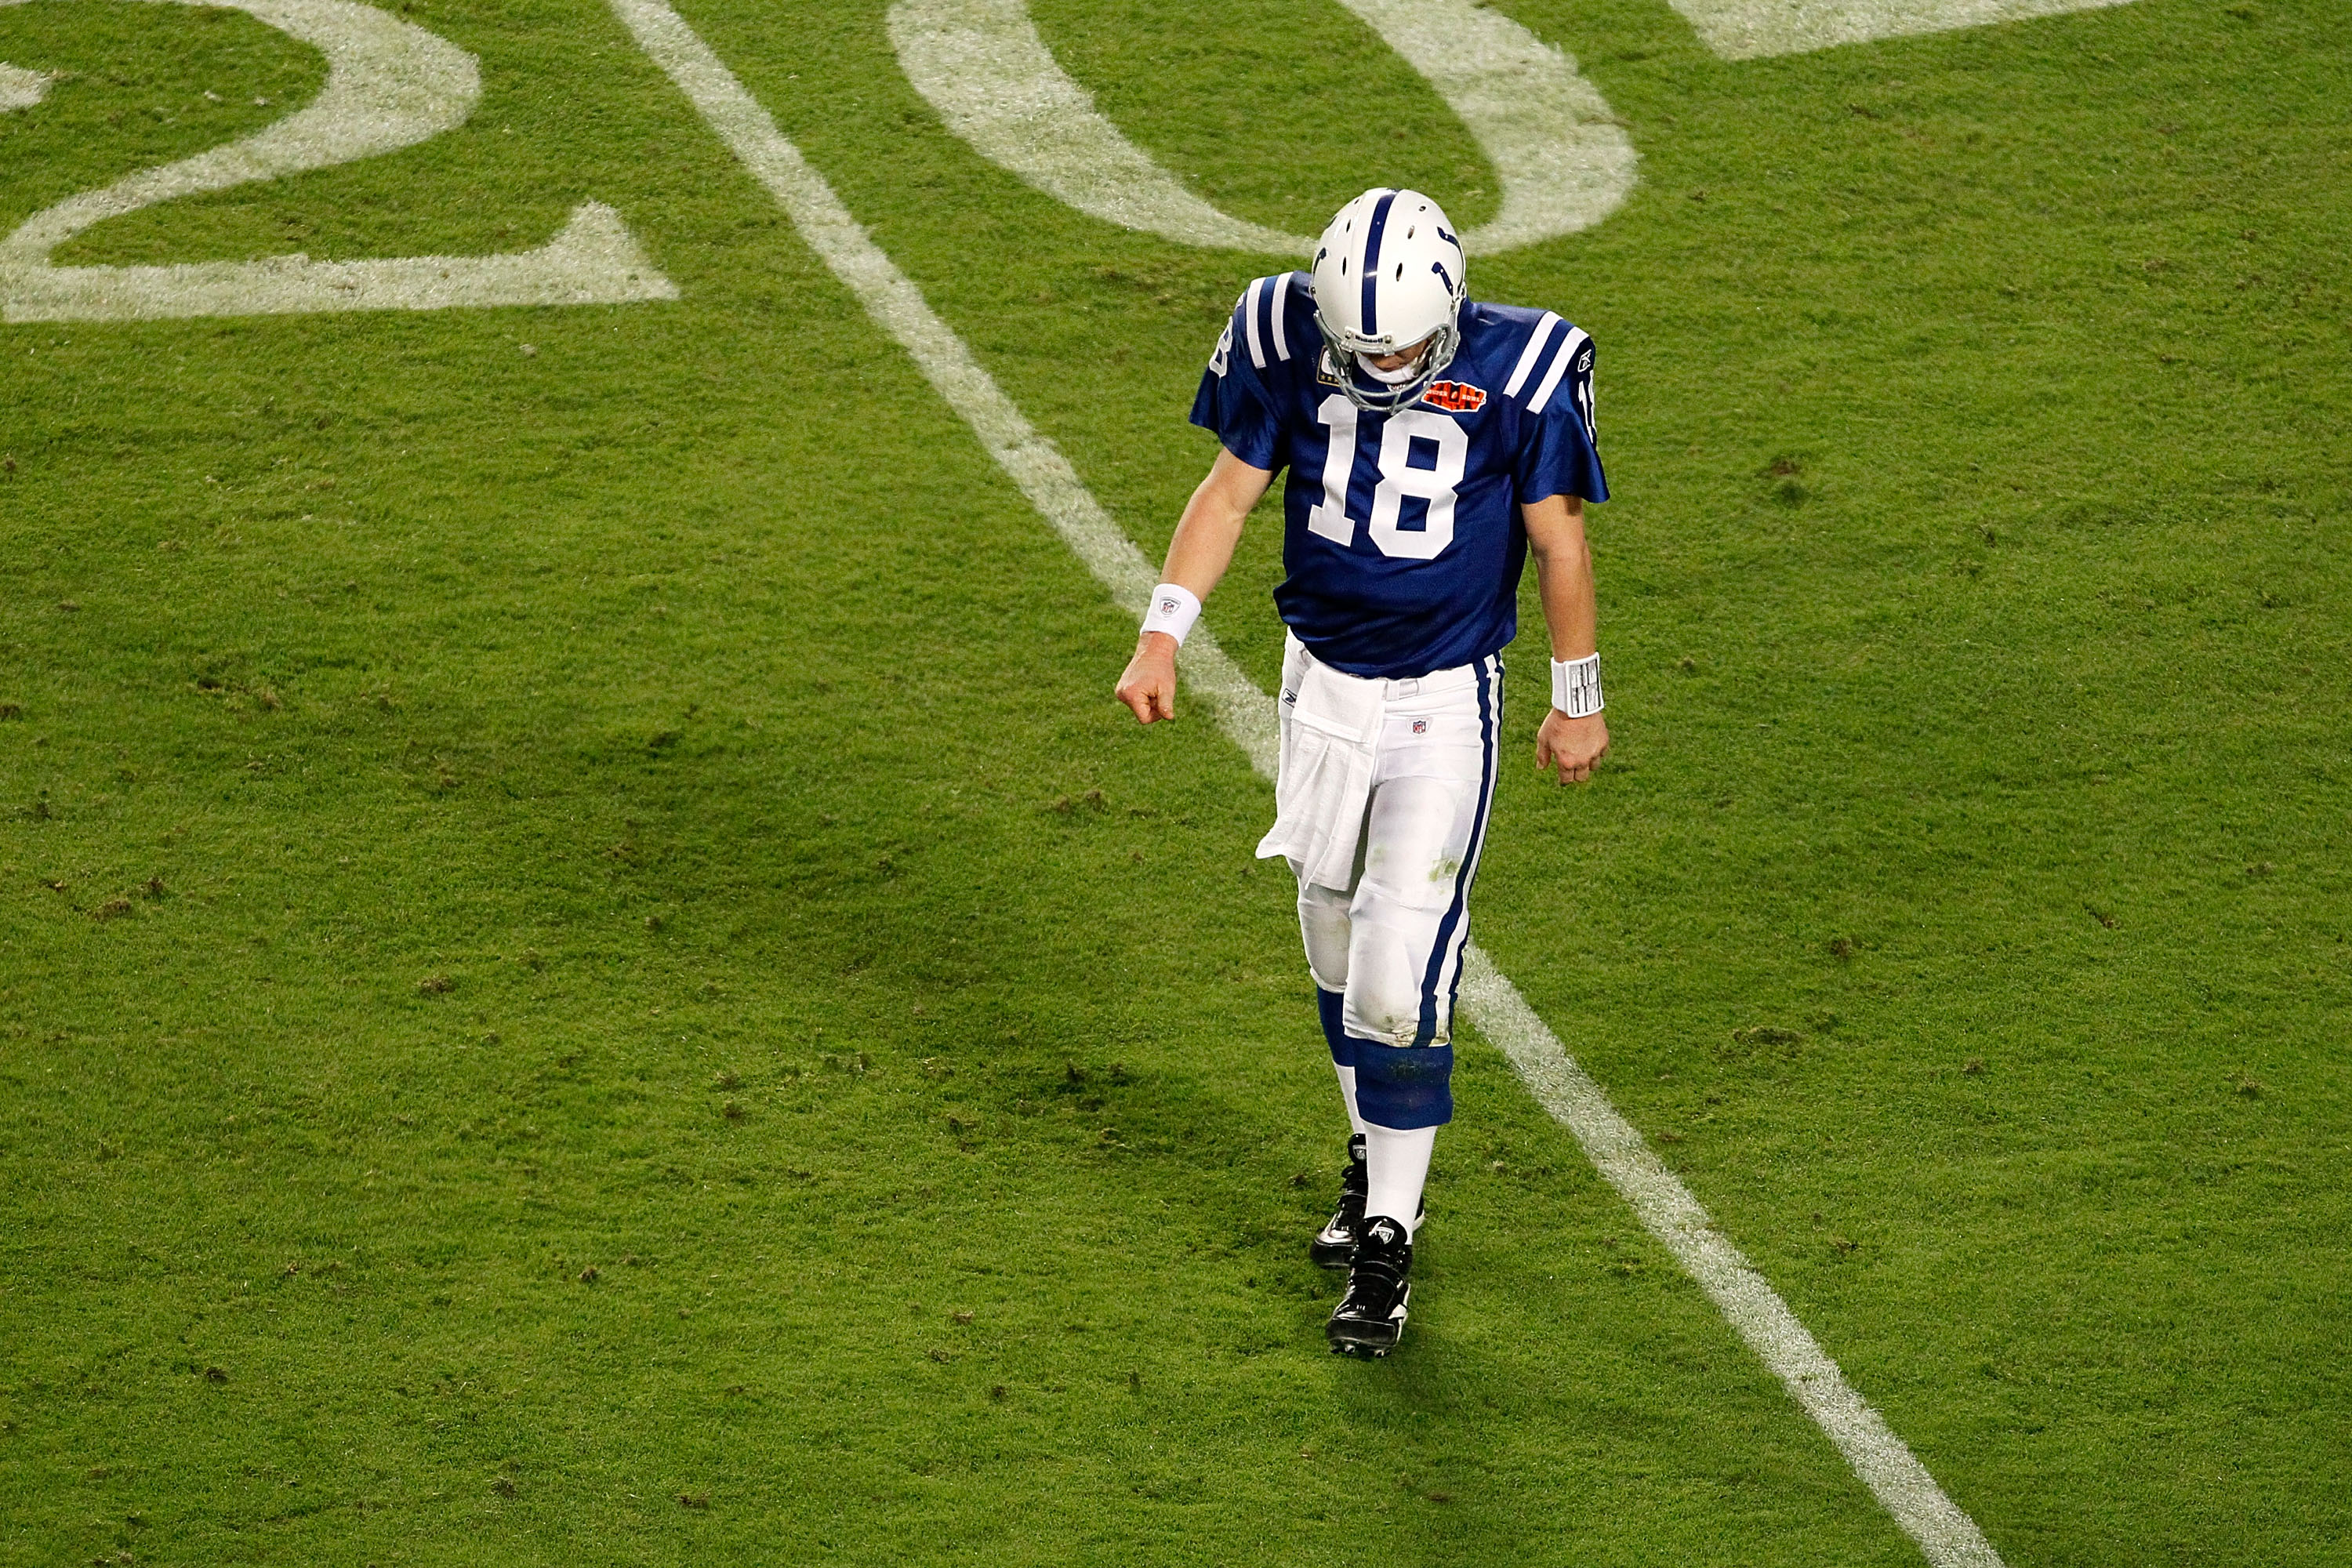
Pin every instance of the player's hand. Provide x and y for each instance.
(1571, 746)
(1148, 687)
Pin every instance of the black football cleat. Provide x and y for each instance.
(1336, 1242)
(1369, 1320)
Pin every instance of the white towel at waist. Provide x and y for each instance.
(1329, 739)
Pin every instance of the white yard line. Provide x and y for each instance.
(1950, 1538)
(1665, 1207)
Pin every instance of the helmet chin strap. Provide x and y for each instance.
(1396, 377)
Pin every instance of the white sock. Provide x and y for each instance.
(1397, 1164)
(1348, 1092)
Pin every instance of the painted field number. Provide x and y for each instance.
(1562, 160)
(390, 85)
(1752, 29)
(1560, 156)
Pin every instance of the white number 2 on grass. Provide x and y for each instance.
(390, 85)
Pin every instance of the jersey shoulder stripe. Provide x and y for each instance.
(1264, 316)
(1572, 349)
(1276, 309)
(1528, 355)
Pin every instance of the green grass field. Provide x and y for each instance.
(589, 972)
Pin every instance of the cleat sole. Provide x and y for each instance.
(1357, 1337)
(1370, 1348)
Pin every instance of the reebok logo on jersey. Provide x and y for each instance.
(1455, 396)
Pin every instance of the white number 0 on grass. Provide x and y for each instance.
(389, 84)
(1561, 158)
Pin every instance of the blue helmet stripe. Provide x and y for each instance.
(1373, 262)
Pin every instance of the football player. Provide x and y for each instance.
(1432, 444)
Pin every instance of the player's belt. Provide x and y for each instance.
(1409, 688)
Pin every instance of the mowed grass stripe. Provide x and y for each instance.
(1894, 1475)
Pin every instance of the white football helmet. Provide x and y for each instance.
(1388, 273)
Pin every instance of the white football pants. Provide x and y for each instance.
(1391, 943)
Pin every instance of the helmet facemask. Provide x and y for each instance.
(1370, 393)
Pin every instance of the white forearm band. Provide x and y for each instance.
(1576, 686)
(1173, 611)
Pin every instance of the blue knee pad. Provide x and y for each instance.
(1404, 1086)
(1331, 1005)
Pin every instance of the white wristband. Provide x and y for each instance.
(1576, 686)
(1173, 611)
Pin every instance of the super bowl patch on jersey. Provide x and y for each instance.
(1455, 396)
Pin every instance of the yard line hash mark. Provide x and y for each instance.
(1945, 1535)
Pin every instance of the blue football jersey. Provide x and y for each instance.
(1402, 539)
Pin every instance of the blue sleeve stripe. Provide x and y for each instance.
(1528, 355)
(1249, 317)
(1568, 352)
(1281, 304)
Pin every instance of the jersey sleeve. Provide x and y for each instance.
(1559, 451)
(1234, 401)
